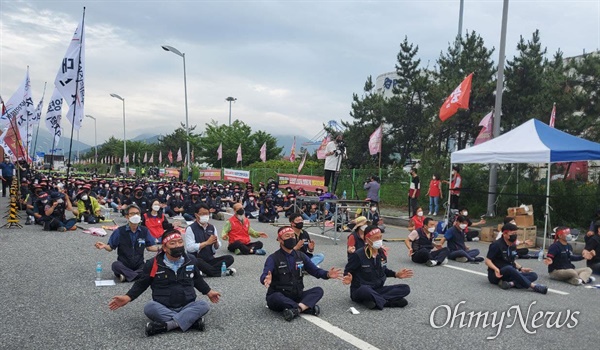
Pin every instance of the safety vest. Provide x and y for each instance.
(239, 231)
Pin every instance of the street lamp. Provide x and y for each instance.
(124, 137)
(230, 99)
(95, 138)
(187, 126)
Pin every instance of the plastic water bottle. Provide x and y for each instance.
(344, 195)
(223, 269)
(98, 271)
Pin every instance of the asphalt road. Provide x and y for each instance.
(50, 301)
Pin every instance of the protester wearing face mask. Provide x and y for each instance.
(559, 260)
(455, 236)
(418, 218)
(130, 241)
(503, 270)
(591, 252)
(283, 276)
(191, 206)
(156, 221)
(472, 235)
(173, 276)
(356, 240)
(251, 207)
(202, 241)
(175, 204)
(304, 243)
(373, 216)
(367, 271)
(268, 212)
(421, 247)
(215, 206)
(237, 231)
(414, 192)
(522, 253)
(55, 213)
(435, 194)
(88, 208)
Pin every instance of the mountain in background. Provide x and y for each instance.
(45, 139)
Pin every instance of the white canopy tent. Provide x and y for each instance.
(531, 142)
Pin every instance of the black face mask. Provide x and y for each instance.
(240, 211)
(299, 225)
(289, 243)
(512, 238)
(177, 252)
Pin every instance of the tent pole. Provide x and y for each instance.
(547, 213)
(449, 187)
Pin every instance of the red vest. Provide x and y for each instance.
(453, 188)
(239, 231)
(154, 224)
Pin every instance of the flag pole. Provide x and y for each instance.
(76, 92)
(39, 121)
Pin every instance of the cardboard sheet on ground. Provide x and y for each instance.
(105, 283)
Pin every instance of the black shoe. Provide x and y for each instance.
(154, 327)
(315, 311)
(479, 259)
(199, 324)
(370, 304)
(28, 221)
(290, 314)
(538, 288)
(400, 302)
(504, 284)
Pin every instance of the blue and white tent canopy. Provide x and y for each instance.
(531, 142)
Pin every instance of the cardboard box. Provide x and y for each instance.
(487, 234)
(514, 211)
(524, 220)
(527, 233)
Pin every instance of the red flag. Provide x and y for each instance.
(170, 156)
(486, 133)
(263, 152)
(220, 151)
(375, 141)
(179, 157)
(553, 115)
(459, 98)
(302, 162)
(239, 154)
(293, 151)
(12, 138)
(321, 151)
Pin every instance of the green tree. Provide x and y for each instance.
(585, 75)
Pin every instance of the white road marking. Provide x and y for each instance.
(338, 332)
(485, 274)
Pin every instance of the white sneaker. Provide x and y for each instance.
(475, 239)
(591, 279)
(429, 213)
(231, 271)
(579, 281)
(445, 261)
(434, 214)
(431, 263)
(462, 259)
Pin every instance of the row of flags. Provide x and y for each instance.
(116, 160)
(20, 114)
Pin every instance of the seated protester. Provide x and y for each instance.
(421, 247)
(130, 241)
(559, 257)
(268, 212)
(289, 206)
(305, 244)
(343, 221)
(201, 241)
(522, 253)
(251, 207)
(175, 204)
(88, 208)
(318, 192)
(373, 216)
(356, 239)
(591, 252)
(140, 199)
(172, 275)
(367, 271)
(272, 189)
(502, 268)
(125, 200)
(472, 235)
(161, 196)
(283, 276)
(215, 206)
(418, 218)
(156, 222)
(38, 204)
(191, 206)
(278, 200)
(301, 192)
(55, 213)
(455, 236)
(30, 205)
(237, 231)
(594, 224)
(111, 198)
(313, 215)
(289, 190)
(24, 195)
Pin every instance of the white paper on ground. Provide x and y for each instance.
(354, 311)
(104, 283)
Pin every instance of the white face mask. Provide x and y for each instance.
(156, 207)
(378, 244)
(419, 213)
(373, 209)
(431, 229)
(161, 192)
(204, 219)
(84, 197)
(465, 213)
(363, 227)
(462, 226)
(60, 201)
(136, 219)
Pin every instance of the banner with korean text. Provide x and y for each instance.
(307, 182)
(236, 175)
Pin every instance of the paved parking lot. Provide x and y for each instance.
(50, 301)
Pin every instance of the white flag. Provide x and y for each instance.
(20, 106)
(69, 79)
(54, 116)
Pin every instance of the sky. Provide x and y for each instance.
(292, 65)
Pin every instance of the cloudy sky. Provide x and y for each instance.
(292, 65)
